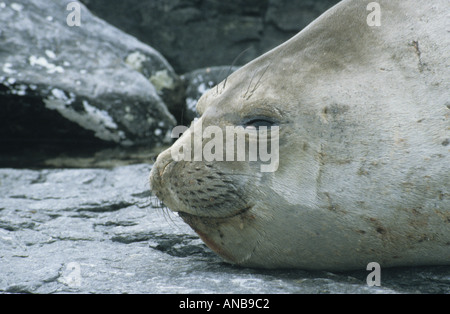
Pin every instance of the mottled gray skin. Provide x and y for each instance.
(364, 171)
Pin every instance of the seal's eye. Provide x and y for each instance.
(257, 123)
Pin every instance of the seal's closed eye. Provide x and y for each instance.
(256, 123)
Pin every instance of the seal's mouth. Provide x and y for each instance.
(215, 232)
(188, 216)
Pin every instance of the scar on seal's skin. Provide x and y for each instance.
(415, 44)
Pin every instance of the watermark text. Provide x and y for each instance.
(74, 17)
(374, 17)
(211, 144)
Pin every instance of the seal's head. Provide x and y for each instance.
(248, 214)
(357, 178)
(228, 199)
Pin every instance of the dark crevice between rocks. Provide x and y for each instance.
(71, 239)
(53, 216)
(105, 208)
(24, 197)
(116, 224)
(174, 245)
(30, 154)
(179, 245)
(42, 178)
(21, 196)
(52, 279)
(145, 194)
(9, 227)
(30, 133)
(132, 238)
(45, 155)
(18, 289)
(177, 248)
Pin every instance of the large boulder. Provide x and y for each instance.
(90, 82)
(195, 34)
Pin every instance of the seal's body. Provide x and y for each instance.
(364, 156)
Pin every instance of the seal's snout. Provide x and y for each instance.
(195, 188)
(157, 174)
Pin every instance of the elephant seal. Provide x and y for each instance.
(364, 165)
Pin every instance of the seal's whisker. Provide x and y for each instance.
(232, 65)
(168, 218)
(259, 80)
(166, 212)
(248, 88)
(257, 83)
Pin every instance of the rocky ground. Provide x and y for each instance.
(99, 230)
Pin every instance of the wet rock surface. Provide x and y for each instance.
(101, 231)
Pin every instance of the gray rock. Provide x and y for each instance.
(292, 16)
(200, 81)
(90, 82)
(195, 34)
(101, 231)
